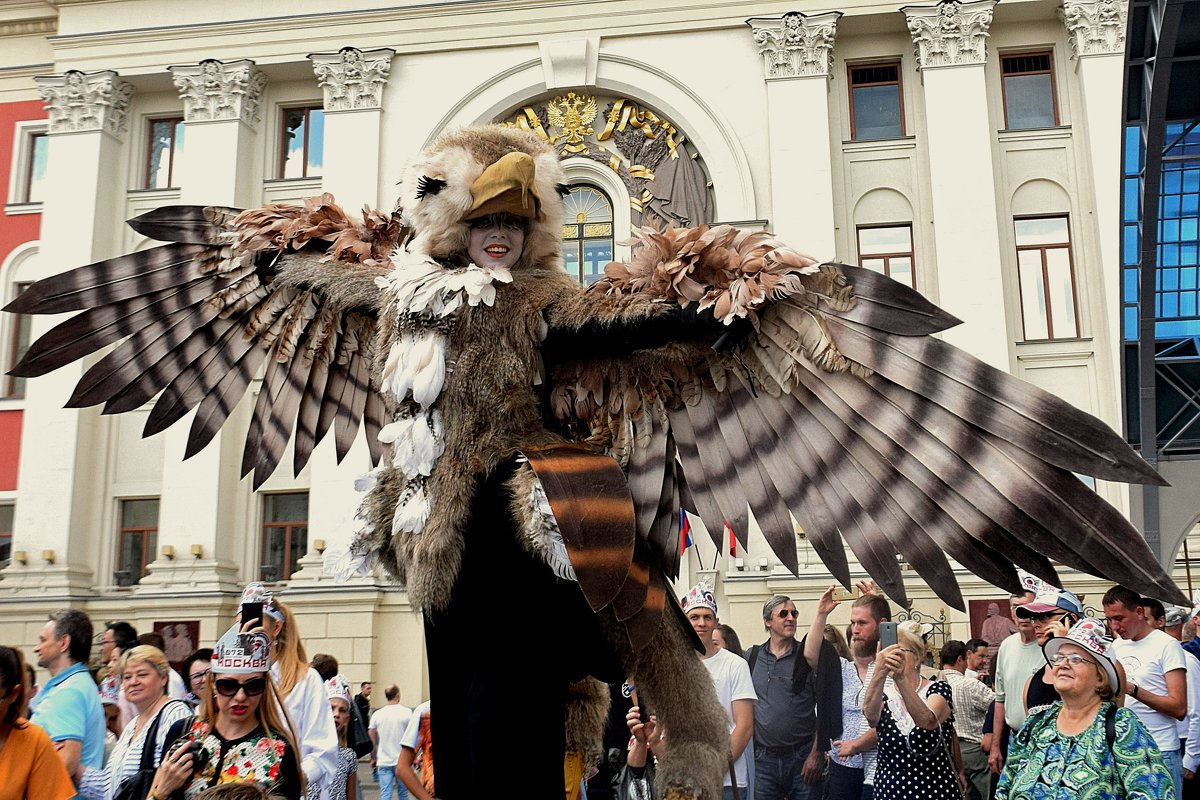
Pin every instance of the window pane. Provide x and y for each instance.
(1046, 230)
(299, 548)
(158, 174)
(38, 149)
(586, 204)
(596, 256)
(137, 550)
(139, 513)
(876, 264)
(274, 541)
(293, 143)
(285, 507)
(900, 268)
(316, 142)
(571, 258)
(877, 112)
(1033, 296)
(6, 533)
(1062, 293)
(873, 241)
(1029, 100)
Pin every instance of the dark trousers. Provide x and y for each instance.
(845, 783)
(488, 691)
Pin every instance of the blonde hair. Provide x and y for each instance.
(146, 654)
(269, 713)
(908, 633)
(288, 651)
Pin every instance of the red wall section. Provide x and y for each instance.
(10, 449)
(15, 230)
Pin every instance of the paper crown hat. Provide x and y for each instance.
(240, 653)
(1089, 634)
(1033, 584)
(110, 691)
(700, 596)
(338, 688)
(258, 593)
(506, 186)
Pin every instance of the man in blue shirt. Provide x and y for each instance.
(68, 706)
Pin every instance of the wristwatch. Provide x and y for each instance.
(1134, 693)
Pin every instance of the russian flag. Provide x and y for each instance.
(732, 539)
(685, 532)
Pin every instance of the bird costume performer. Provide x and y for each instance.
(535, 439)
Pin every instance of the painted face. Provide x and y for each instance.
(864, 632)
(142, 683)
(341, 713)
(703, 622)
(496, 240)
(783, 620)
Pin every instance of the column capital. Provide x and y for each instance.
(86, 101)
(353, 79)
(950, 33)
(220, 90)
(1094, 27)
(796, 45)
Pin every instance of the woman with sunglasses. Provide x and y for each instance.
(1082, 745)
(238, 734)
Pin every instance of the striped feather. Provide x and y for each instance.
(719, 469)
(199, 224)
(704, 502)
(888, 305)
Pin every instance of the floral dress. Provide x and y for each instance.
(914, 763)
(1044, 764)
(254, 758)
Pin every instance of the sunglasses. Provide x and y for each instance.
(784, 614)
(228, 687)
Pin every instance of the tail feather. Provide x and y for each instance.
(194, 224)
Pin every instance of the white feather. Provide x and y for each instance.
(544, 533)
(411, 513)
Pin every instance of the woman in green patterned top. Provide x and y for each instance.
(1065, 751)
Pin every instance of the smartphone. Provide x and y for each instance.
(887, 634)
(252, 611)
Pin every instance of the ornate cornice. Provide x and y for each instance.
(1094, 27)
(78, 101)
(951, 33)
(220, 90)
(353, 79)
(796, 45)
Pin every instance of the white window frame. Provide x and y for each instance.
(22, 153)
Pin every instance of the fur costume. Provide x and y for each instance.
(530, 430)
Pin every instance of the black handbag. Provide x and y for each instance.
(357, 737)
(137, 787)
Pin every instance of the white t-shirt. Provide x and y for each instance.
(731, 678)
(1016, 661)
(1189, 726)
(412, 734)
(1146, 662)
(389, 724)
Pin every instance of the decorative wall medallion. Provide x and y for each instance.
(1094, 27)
(79, 101)
(666, 184)
(217, 90)
(950, 33)
(796, 45)
(353, 79)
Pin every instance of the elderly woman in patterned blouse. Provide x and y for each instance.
(1083, 745)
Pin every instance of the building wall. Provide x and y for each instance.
(778, 150)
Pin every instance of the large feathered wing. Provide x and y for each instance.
(285, 291)
(826, 397)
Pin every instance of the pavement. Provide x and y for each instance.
(370, 789)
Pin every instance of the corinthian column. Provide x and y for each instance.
(951, 48)
(797, 51)
(60, 503)
(200, 497)
(352, 81)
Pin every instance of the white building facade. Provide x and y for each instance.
(972, 149)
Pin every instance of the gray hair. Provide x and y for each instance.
(774, 603)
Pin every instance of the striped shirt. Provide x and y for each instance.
(126, 758)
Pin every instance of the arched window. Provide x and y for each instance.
(587, 233)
